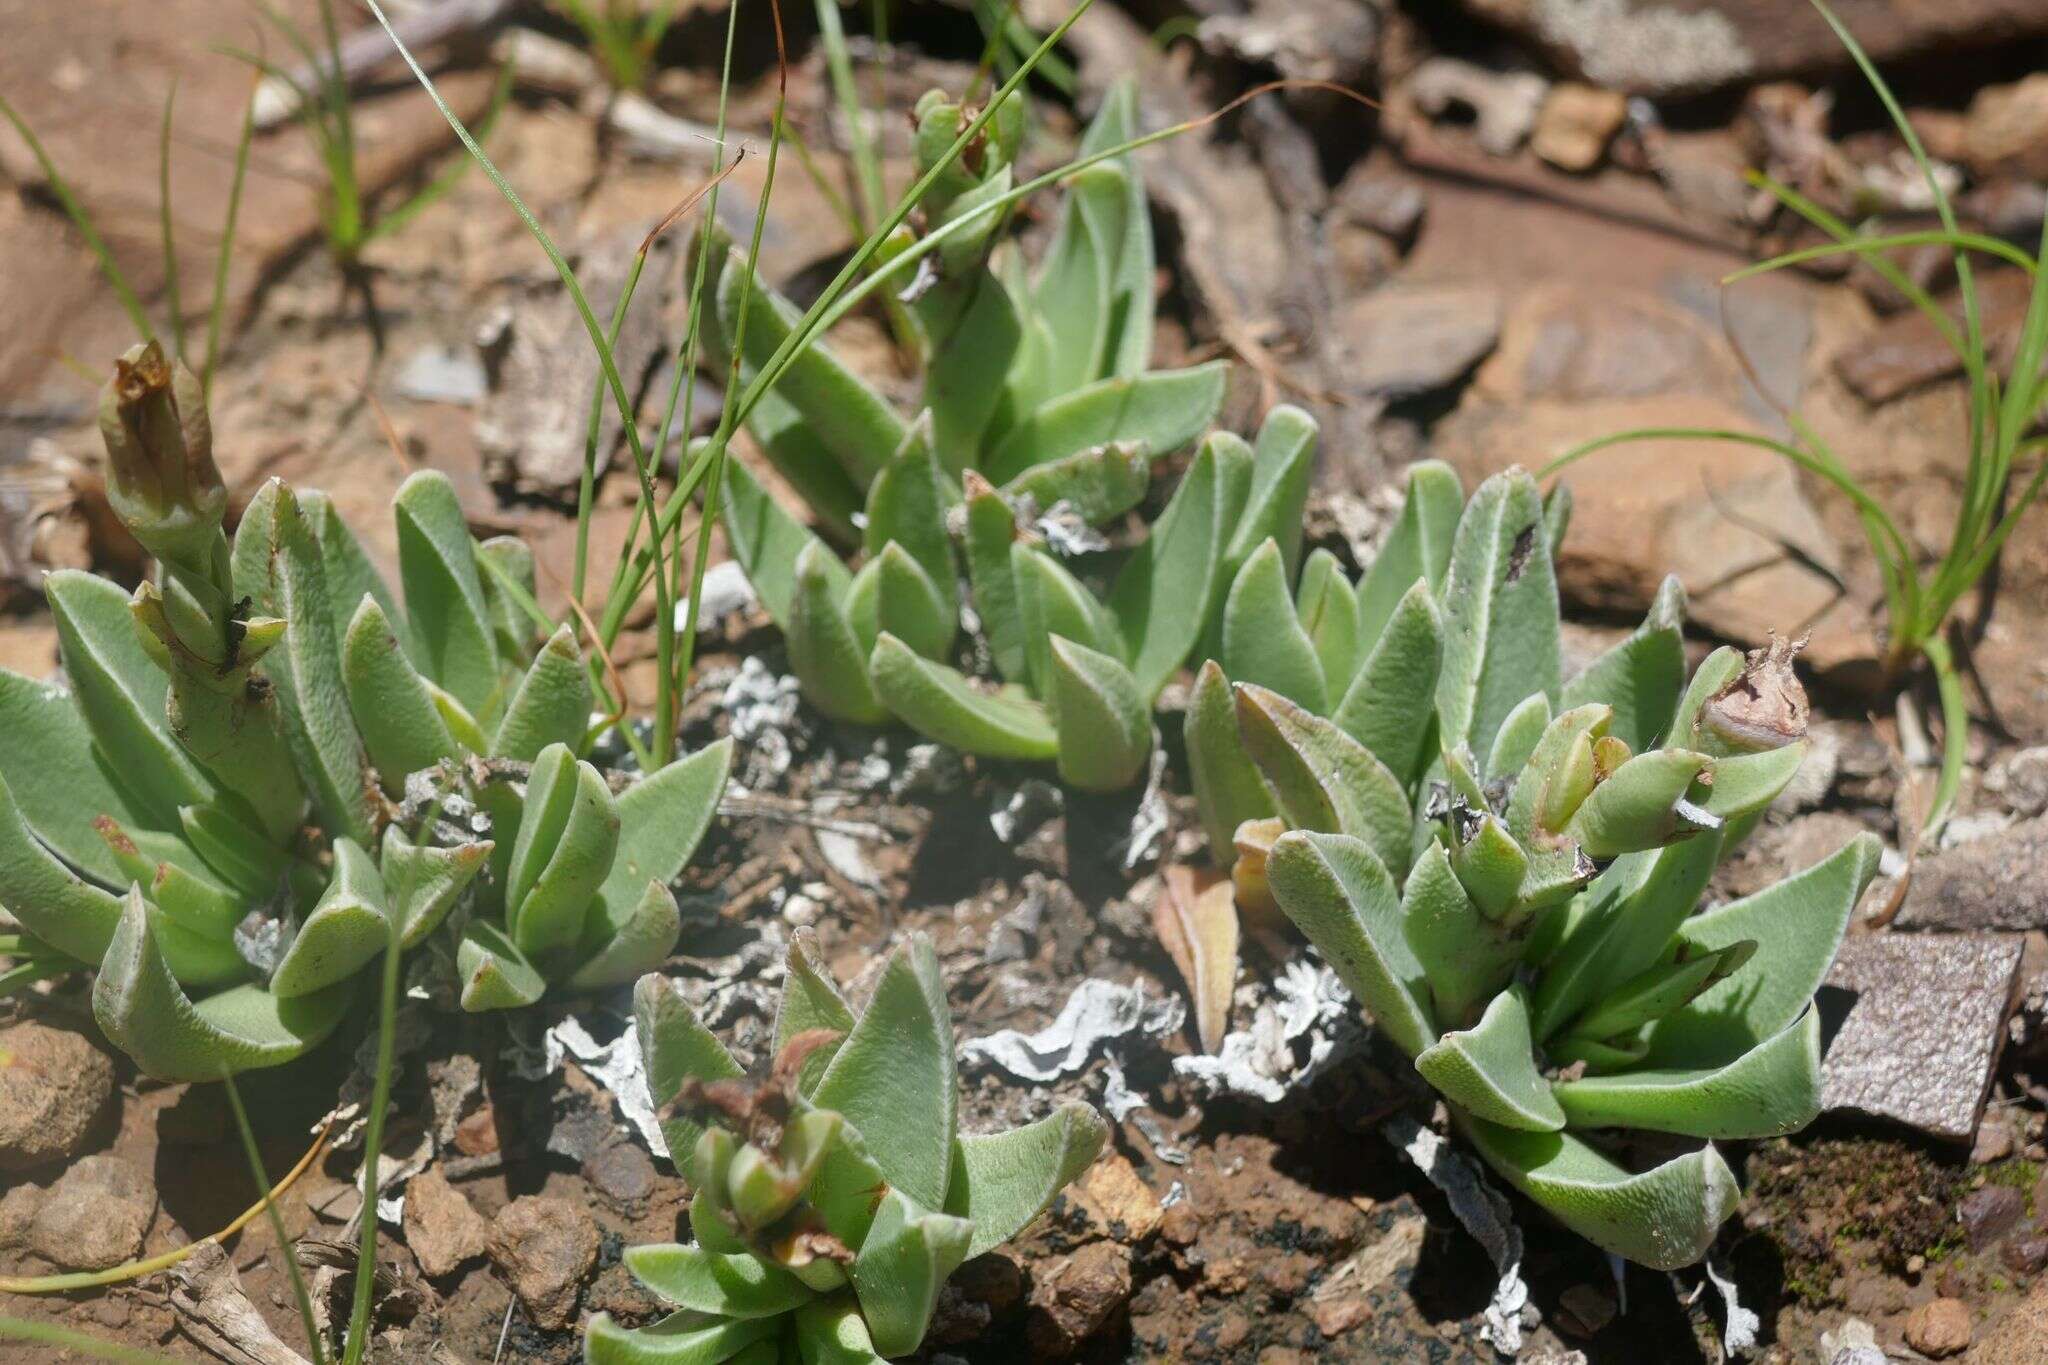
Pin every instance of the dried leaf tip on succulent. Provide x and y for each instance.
(1506, 866)
(276, 769)
(1038, 399)
(835, 1196)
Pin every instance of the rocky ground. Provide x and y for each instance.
(1521, 248)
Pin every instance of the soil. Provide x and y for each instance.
(1253, 1232)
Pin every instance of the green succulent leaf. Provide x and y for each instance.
(444, 596)
(1642, 805)
(495, 975)
(1493, 868)
(1489, 1070)
(1283, 458)
(1519, 734)
(551, 704)
(831, 667)
(662, 818)
(1104, 723)
(768, 544)
(892, 593)
(908, 504)
(1227, 785)
(1264, 644)
(831, 1331)
(975, 335)
(1664, 1218)
(1324, 780)
(1770, 1090)
(1640, 677)
(1390, 706)
(683, 1338)
(1165, 593)
(47, 733)
(1074, 292)
(423, 882)
(239, 855)
(811, 1003)
(1465, 957)
(1163, 409)
(1417, 549)
(1052, 602)
(623, 950)
(991, 532)
(348, 927)
(897, 1274)
(727, 1286)
(1328, 610)
(350, 575)
(1339, 894)
(394, 709)
(50, 900)
(1500, 623)
(567, 837)
(1101, 483)
(1128, 349)
(121, 693)
(677, 1047)
(893, 1077)
(142, 1010)
(506, 568)
(939, 703)
(1002, 1181)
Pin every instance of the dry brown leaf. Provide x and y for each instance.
(1195, 916)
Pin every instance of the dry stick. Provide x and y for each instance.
(58, 1284)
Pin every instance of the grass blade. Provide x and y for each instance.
(80, 219)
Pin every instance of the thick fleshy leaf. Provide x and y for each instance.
(893, 1077)
(811, 1004)
(1339, 894)
(1489, 1070)
(1128, 349)
(1073, 295)
(640, 944)
(908, 504)
(48, 899)
(853, 421)
(684, 1338)
(1328, 610)
(726, 1286)
(1494, 870)
(1642, 805)
(1104, 723)
(991, 531)
(348, 927)
(1051, 601)
(1641, 676)
(1325, 780)
(1797, 926)
(1283, 458)
(1228, 789)
(236, 853)
(350, 575)
(494, 975)
(444, 597)
(893, 593)
(1390, 706)
(1514, 744)
(1165, 593)
(1768, 1091)
(1746, 784)
(831, 1332)
(47, 733)
(767, 541)
(394, 710)
(1417, 549)
(662, 818)
(1465, 956)
(1664, 1218)
(143, 1012)
(975, 335)
(831, 667)
(423, 882)
(1163, 409)
(563, 853)
(939, 703)
(1001, 1181)
(499, 561)
(900, 1268)
(1263, 642)
(121, 693)
(1100, 483)
(676, 1047)
(1195, 917)
(279, 568)
(1500, 612)
(551, 704)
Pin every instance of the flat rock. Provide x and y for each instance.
(1576, 124)
(1404, 340)
(55, 1087)
(1939, 1328)
(545, 1247)
(95, 1216)
(1670, 47)
(18, 1209)
(1925, 1018)
(1997, 882)
(2006, 130)
(442, 1229)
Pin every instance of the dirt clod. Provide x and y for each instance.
(1939, 1328)
(1073, 1300)
(95, 1216)
(544, 1246)
(55, 1086)
(441, 1227)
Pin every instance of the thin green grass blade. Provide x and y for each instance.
(217, 311)
(284, 1243)
(80, 219)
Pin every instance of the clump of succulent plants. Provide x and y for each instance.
(1506, 866)
(834, 1195)
(272, 772)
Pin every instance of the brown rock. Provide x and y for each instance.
(1405, 340)
(1989, 1213)
(1939, 1327)
(55, 1086)
(621, 1171)
(441, 1227)
(1576, 124)
(18, 1214)
(2006, 130)
(545, 1247)
(1181, 1225)
(1588, 1308)
(1125, 1202)
(2025, 1253)
(95, 1216)
(1997, 882)
(1074, 1299)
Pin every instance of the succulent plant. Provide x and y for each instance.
(272, 771)
(1526, 925)
(834, 1196)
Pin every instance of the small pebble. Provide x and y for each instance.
(1939, 1328)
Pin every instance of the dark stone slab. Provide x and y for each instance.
(1997, 882)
